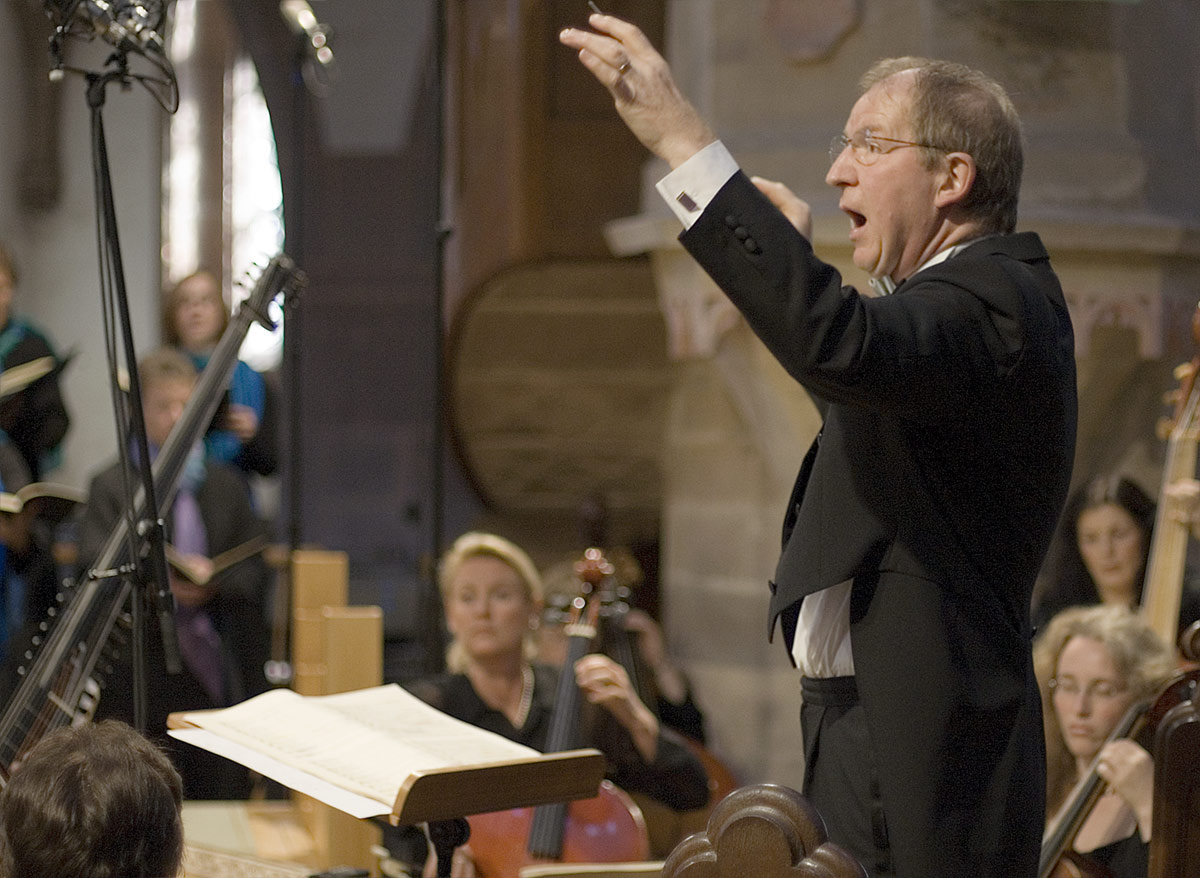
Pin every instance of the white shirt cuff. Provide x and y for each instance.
(689, 188)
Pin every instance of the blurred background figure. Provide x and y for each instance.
(1093, 664)
(28, 573)
(1101, 550)
(33, 416)
(243, 432)
(220, 620)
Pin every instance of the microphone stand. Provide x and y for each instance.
(147, 569)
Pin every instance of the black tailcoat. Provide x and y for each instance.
(935, 484)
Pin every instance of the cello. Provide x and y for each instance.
(1160, 605)
(665, 825)
(606, 828)
(1057, 859)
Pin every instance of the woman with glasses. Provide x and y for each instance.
(1093, 664)
(243, 433)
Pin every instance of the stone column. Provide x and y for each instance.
(736, 429)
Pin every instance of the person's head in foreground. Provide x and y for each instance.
(97, 801)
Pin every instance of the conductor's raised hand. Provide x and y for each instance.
(622, 59)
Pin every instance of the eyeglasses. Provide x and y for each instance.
(868, 146)
(1104, 690)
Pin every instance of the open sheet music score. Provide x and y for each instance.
(383, 751)
(19, 377)
(218, 564)
(50, 499)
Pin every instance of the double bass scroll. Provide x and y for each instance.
(1162, 590)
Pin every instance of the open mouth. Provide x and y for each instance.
(857, 220)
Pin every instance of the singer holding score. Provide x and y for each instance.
(923, 511)
(219, 616)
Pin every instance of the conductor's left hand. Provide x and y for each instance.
(622, 59)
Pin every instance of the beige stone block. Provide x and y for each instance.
(723, 628)
(719, 473)
(319, 578)
(696, 395)
(308, 644)
(717, 538)
(353, 639)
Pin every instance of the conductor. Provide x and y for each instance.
(923, 510)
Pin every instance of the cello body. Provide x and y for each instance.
(607, 828)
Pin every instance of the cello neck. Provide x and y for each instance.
(547, 830)
(1163, 587)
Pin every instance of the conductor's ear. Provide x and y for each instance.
(956, 179)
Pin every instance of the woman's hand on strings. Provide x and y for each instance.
(604, 682)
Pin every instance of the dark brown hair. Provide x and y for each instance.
(97, 801)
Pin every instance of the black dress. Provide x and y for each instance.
(1127, 858)
(676, 777)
